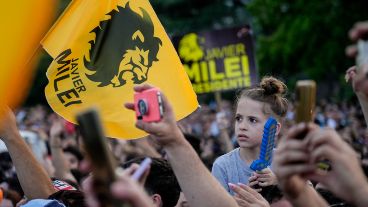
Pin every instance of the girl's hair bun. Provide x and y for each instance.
(273, 86)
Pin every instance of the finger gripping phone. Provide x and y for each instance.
(148, 105)
(101, 158)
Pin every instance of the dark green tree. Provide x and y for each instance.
(183, 16)
(305, 38)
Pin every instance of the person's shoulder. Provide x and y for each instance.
(226, 157)
(43, 202)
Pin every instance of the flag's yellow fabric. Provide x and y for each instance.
(23, 24)
(101, 49)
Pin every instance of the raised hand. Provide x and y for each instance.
(291, 161)
(346, 174)
(265, 177)
(163, 131)
(245, 196)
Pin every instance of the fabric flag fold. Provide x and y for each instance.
(101, 49)
(24, 23)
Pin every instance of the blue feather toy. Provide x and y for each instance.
(268, 143)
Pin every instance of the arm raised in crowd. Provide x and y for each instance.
(360, 87)
(291, 164)
(32, 177)
(198, 185)
(58, 158)
(358, 78)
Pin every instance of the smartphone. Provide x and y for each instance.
(305, 105)
(146, 163)
(148, 105)
(98, 153)
(305, 100)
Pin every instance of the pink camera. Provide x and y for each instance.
(148, 105)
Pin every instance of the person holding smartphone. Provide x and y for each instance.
(160, 183)
(198, 185)
(295, 161)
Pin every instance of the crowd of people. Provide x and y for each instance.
(202, 160)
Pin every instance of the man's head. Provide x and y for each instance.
(161, 183)
(73, 156)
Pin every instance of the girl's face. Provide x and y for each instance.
(249, 122)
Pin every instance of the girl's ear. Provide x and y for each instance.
(278, 128)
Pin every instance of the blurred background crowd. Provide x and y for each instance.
(209, 130)
(288, 44)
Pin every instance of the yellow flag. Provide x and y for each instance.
(101, 49)
(23, 24)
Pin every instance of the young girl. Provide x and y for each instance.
(254, 107)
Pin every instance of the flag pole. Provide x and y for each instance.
(218, 100)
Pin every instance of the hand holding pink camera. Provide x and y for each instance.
(148, 105)
(165, 129)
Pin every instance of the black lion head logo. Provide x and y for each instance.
(124, 48)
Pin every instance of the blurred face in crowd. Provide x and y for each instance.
(249, 122)
(72, 160)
